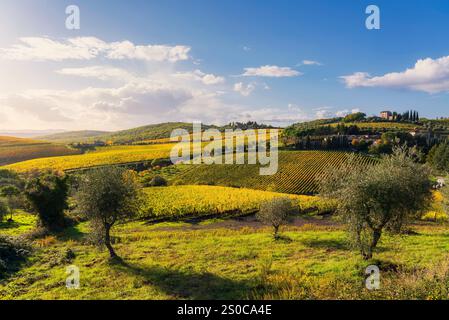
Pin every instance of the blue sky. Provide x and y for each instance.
(220, 42)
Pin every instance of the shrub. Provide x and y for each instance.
(158, 181)
(161, 163)
(12, 250)
(48, 194)
(276, 213)
(4, 209)
(439, 157)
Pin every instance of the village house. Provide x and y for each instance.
(387, 115)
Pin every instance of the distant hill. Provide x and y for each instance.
(150, 132)
(144, 134)
(14, 150)
(129, 136)
(73, 136)
(28, 133)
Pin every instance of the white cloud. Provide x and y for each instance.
(244, 90)
(276, 116)
(271, 71)
(98, 72)
(324, 114)
(311, 63)
(123, 95)
(345, 112)
(427, 75)
(87, 48)
(246, 48)
(198, 75)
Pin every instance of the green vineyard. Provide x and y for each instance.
(298, 172)
(196, 201)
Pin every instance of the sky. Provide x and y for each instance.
(134, 63)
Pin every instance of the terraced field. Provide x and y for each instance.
(14, 150)
(298, 172)
(195, 201)
(102, 156)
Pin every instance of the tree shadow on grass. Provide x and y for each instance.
(283, 239)
(72, 233)
(10, 225)
(327, 244)
(187, 284)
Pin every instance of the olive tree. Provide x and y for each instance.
(377, 197)
(276, 212)
(107, 196)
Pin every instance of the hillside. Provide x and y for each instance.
(73, 136)
(298, 172)
(154, 133)
(365, 124)
(14, 150)
(150, 132)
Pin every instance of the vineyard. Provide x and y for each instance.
(195, 201)
(14, 150)
(148, 150)
(298, 172)
(102, 156)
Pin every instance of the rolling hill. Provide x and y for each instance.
(102, 156)
(154, 133)
(160, 131)
(150, 132)
(73, 136)
(14, 150)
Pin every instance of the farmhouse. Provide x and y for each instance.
(387, 115)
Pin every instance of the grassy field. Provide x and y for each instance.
(298, 172)
(14, 150)
(210, 260)
(102, 156)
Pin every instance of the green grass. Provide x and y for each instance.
(174, 261)
(22, 222)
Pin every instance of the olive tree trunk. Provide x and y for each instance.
(107, 241)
